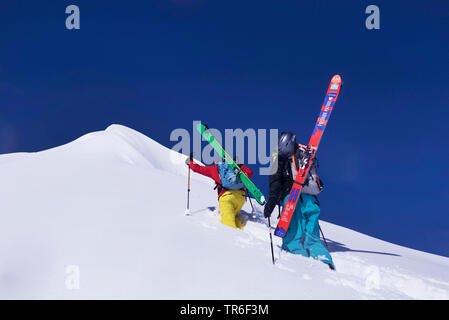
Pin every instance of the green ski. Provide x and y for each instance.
(205, 132)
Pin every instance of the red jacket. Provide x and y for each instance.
(212, 172)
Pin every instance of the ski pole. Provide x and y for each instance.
(271, 240)
(322, 234)
(188, 189)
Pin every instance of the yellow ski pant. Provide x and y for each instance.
(230, 204)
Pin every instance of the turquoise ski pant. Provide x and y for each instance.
(303, 234)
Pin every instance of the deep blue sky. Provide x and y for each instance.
(157, 65)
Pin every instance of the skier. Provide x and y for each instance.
(231, 193)
(303, 235)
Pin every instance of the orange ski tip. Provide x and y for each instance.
(336, 78)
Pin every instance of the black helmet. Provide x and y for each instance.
(287, 144)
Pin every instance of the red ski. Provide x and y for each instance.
(311, 148)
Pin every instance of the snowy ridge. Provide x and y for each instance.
(112, 204)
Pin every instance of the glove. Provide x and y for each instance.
(187, 161)
(267, 212)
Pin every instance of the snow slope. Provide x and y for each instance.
(111, 203)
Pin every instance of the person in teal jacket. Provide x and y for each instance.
(303, 234)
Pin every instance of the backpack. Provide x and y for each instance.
(229, 179)
(313, 185)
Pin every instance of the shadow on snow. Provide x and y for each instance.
(332, 246)
(256, 216)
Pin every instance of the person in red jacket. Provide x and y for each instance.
(231, 200)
